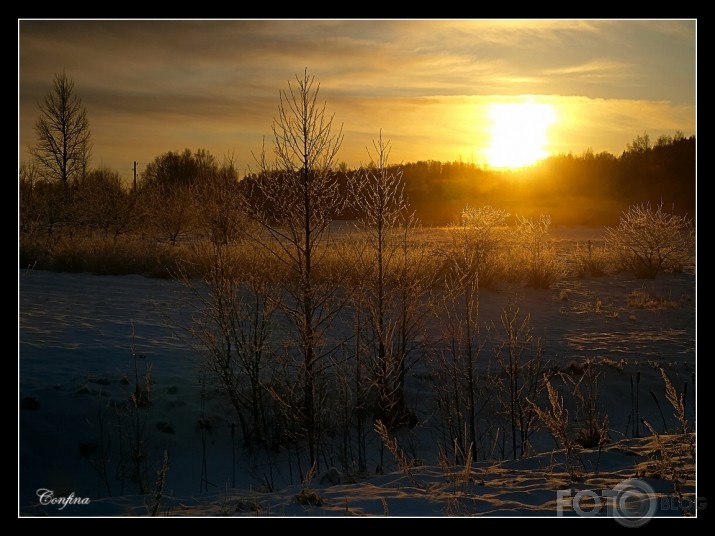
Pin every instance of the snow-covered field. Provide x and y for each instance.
(77, 331)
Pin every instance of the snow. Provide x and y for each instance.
(77, 331)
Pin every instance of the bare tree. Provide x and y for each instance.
(295, 200)
(63, 134)
(219, 213)
(465, 397)
(232, 326)
(233, 302)
(521, 360)
(170, 210)
(102, 203)
(382, 211)
(30, 214)
(169, 191)
(43, 203)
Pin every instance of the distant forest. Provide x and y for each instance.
(590, 189)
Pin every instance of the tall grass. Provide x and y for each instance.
(518, 257)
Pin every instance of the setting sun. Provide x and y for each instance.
(519, 133)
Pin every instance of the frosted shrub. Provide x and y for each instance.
(535, 247)
(649, 240)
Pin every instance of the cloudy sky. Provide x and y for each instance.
(430, 85)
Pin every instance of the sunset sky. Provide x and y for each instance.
(438, 89)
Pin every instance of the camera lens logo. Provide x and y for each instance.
(633, 502)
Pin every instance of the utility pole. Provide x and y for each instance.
(135, 176)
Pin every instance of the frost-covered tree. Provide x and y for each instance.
(382, 214)
(63, 145)
(295, 199)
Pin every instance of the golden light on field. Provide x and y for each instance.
(519, 133)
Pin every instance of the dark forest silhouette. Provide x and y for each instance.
(590, 189)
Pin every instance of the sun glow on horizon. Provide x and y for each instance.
(519, 133)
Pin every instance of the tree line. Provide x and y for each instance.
(588, 189)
